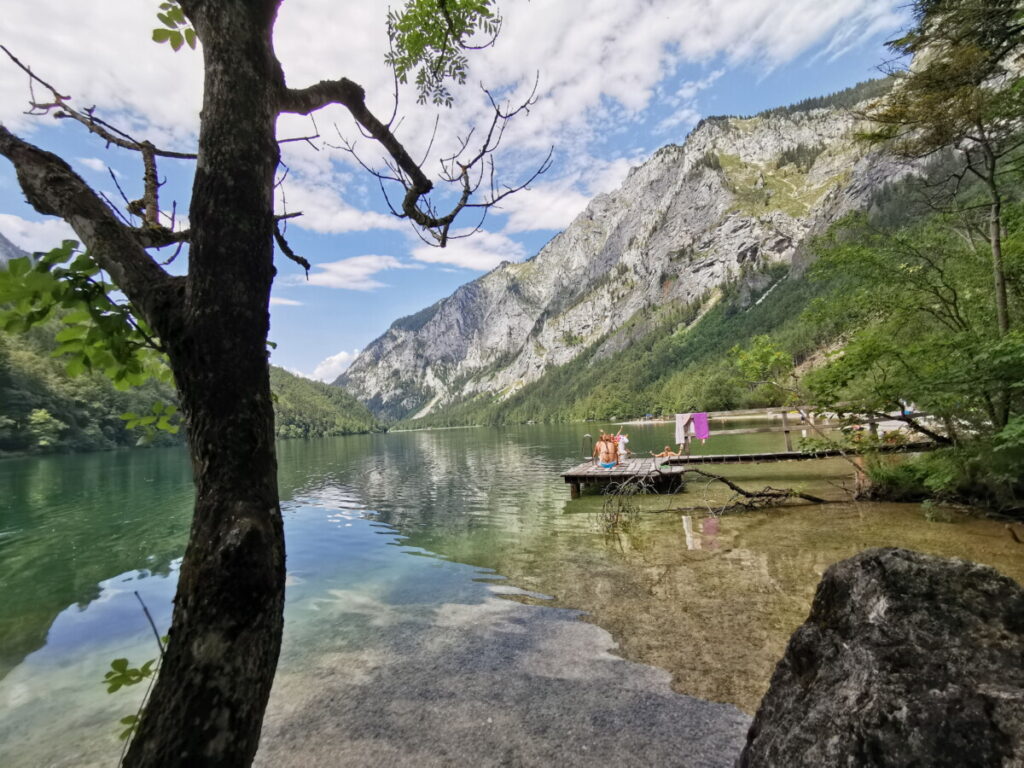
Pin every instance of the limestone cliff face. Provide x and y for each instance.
(739, 194)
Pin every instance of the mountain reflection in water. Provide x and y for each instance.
(710, 600)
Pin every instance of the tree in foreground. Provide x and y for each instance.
(207, 705)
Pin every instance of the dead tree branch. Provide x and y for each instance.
(152, 233)
(286, 249)
(744, 500)
(466, 172)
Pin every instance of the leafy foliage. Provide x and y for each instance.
(80, 370)
(918, 312)
(98, 333)
(120, 674)
(176, 30)
(430, 37)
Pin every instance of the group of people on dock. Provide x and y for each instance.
(610, 450)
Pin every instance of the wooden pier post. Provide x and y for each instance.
(574, 490)
(785, 431)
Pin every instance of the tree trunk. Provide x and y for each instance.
(995, 233)
(1001, 400)
(207, 705)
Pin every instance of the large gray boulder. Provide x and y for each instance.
(905, 660)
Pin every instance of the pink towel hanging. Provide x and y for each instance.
(700, 426)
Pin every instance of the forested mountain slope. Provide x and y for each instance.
(43, 409)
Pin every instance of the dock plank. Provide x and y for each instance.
(677, 465)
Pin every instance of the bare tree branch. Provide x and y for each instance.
(286, 249)
(468, 173)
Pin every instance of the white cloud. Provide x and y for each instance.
(353, 274)
(332, 367)
(35, 235)
(481, 251)
(554, 204)
(543, 206)
(95, 164)
(279, 301)
(323, 210)
(296, 372)
(599, 71)
(685, 102)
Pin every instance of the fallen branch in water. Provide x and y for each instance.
(750, 499)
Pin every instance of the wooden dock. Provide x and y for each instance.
(669, 473)
(655, 472)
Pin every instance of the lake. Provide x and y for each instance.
(446, 602)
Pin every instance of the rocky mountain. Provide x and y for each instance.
(740, 195)
(9, 250)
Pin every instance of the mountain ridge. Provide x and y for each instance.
(739, 196)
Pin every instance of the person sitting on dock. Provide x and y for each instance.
(665, 453)
(621, 442)
(606, 452)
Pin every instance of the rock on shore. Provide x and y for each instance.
(905, 659)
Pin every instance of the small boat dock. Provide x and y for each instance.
(668, 474)
(657, 473)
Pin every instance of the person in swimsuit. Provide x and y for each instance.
(664, 454)
(606, 452)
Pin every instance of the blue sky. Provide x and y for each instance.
(617, 80)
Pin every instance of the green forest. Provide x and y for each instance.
(43, 409)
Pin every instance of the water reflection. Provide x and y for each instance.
(71, 522)
(710, 600)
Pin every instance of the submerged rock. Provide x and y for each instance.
(906, 659)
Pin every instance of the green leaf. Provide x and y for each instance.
(20, 266)
(129, 720)
(190, 38)
(161, 35)
(176, 40)
(119, 665)
(78, 316)
(71, 333)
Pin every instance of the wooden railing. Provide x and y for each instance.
(787, 429)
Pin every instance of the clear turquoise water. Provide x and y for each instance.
(374, 524)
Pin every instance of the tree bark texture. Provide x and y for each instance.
(207, 705)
